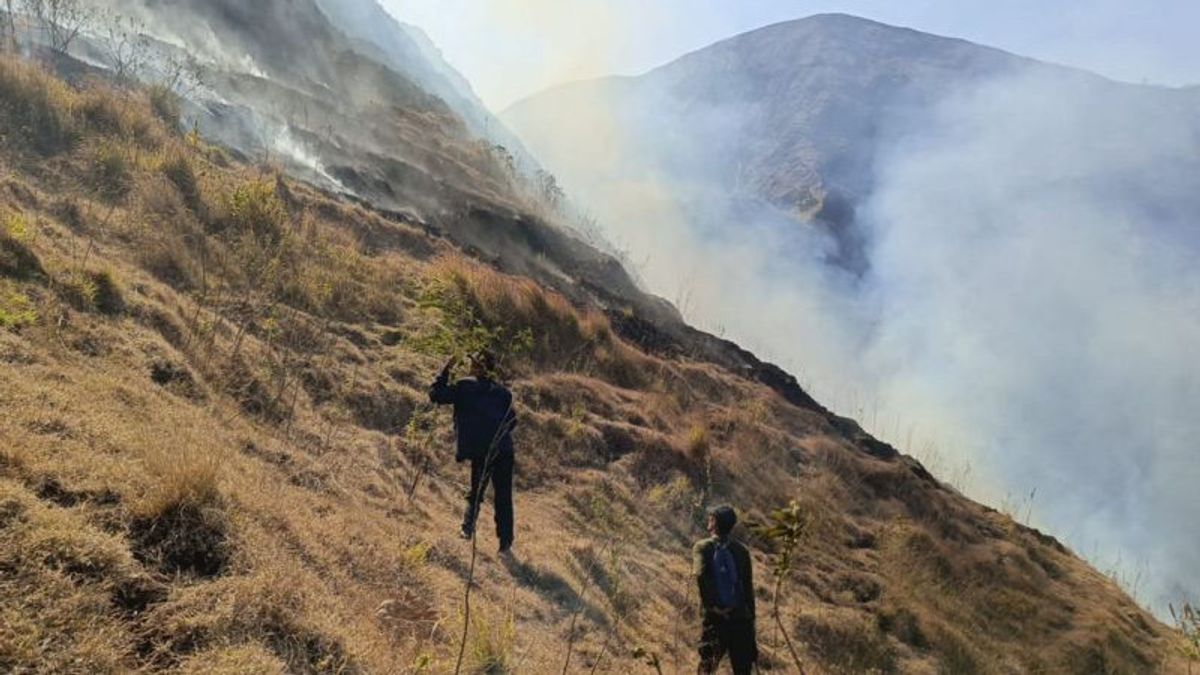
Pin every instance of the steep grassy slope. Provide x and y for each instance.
(217, 456)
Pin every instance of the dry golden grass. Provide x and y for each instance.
(213, 417)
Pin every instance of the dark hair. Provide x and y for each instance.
(486, 359)
(725, 517)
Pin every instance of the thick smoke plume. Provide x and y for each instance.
(1034, 263)
(1031, 298)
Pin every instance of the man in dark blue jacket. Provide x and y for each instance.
(483, 422)
(724, 572)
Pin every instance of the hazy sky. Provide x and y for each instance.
(509, 49)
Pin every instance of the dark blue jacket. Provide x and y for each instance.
(483, 414)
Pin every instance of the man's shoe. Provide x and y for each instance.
(465, 533)
(506, 549)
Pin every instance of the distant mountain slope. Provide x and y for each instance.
(409, 50)
(793, 114)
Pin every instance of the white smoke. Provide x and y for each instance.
(1031, 303)
(1035, 265)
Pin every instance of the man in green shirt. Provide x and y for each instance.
(723, 571)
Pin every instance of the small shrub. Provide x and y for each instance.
(164, 103)
(108, 298)
(255, 207)
(79, 290)
(178, 169)
(111, 171)
(415, 556)
(17, 227)
(674, 496)
(16, 309)
(16, 259)
(98, 291)
(493, 637)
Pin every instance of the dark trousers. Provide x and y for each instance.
(734, 637)
(500, 474)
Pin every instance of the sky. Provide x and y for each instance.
(510, 49)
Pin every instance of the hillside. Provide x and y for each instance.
(219, 457)
(795, 119)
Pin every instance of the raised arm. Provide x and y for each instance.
(442, 391)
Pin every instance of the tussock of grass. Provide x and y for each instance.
(37, 110)
(181, 523)
(111, 171)
(269, 609)
(165, 105)
(109, 298)
(846, 643)
(88, 291)
(491, 641)
(178, 169)
(57, 571)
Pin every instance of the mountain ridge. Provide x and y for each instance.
(794, 112)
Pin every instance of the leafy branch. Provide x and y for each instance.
(787, 529)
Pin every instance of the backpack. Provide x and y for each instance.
(725, 572)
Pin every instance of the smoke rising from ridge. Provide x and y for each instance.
(1035, 258)
(1030, 305)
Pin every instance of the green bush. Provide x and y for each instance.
(16, 309)
(79, 290)
(255, 207)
